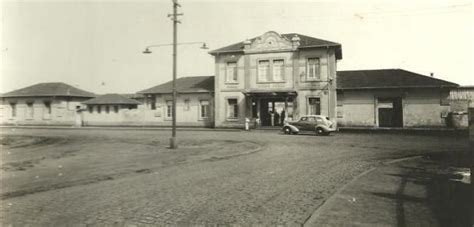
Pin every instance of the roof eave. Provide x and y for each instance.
(397, 87)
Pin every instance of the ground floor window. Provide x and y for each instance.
(314, 105)
(13, 108)
(204, 109)
(232, 108)
(169, 108)
(29, 110)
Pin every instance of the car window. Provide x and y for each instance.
(311, 119)
(303, 119)
(319, 119)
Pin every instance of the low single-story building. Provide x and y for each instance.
(461, 99)
(391, 98)
(43, 104)
(194, 103)
(111, 109)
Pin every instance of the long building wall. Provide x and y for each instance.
(34, 111)
(188, 113)
(421, 108)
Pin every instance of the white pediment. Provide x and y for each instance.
(270, 41)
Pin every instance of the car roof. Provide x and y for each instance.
(313, 116)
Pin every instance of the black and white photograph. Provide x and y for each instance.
(236, 113)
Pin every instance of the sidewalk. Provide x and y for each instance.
(413, 192)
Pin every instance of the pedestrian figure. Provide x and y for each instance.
(282, 117)
(277, 118)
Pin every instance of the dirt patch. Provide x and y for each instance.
(10, 142)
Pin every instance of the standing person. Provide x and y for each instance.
(282, 117)
(277, 118)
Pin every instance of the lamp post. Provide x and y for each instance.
(174, 18)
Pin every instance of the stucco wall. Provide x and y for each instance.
(63, 111)
(294, 79)
(421, 107)
(145, 116)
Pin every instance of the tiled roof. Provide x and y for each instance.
(305, 42)
(112, 99)
(197, 84)
(49, 89)
(387, 78)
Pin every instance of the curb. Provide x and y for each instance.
(120, 128)
(322, 208)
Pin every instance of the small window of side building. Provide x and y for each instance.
(314, 106)
(204, 109)
(13, 108)
(90, 108)
(107, 109)
(152, 102)
(47, 106)
(232, 109)
(278, 70)
(231, 72)
(312, 69)
(116, 109)
(99, 109)
(29, 110)
(263, 71)
(169, 109)
(187, 104)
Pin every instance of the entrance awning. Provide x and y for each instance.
(267, 93)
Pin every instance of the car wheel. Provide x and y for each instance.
(319, 131)
(287, 130)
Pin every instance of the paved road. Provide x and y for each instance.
(284, 182)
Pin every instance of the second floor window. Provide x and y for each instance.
(312, 69)
(278, 70)
(231, 72)
(264, 71)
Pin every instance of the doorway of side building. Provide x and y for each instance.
(272, 111)
(390, 112)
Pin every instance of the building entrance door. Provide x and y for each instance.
(273, 111)
(390, 112)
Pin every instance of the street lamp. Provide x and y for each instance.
(148, 51)
(174, 18)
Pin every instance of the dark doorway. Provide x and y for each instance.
(272, 111)
(390, 112)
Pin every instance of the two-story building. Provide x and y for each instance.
(275, 77)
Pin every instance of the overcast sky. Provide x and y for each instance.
(97, 45)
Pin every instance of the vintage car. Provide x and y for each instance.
(314, 123)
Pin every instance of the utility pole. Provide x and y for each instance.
(174, 18)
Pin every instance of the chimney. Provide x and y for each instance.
(247, 44)
(432, 74)
(295, 41)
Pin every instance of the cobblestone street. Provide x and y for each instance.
(128, 177)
